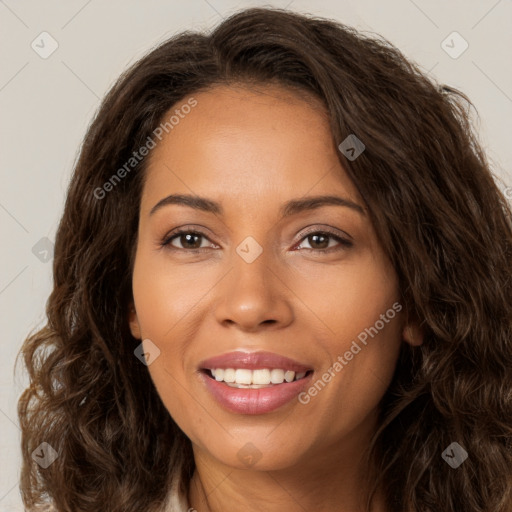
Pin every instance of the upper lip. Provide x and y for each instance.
(253, 361)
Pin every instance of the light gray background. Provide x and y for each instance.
(46, 105)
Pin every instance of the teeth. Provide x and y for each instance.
(289, 376)
(277, 376)
(243, 376)
(263, 377)
(229, 375)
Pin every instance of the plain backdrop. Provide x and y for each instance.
(47, 103)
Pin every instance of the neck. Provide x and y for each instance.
(334, 480)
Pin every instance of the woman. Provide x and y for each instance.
(282, 281)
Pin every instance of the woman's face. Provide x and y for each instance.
(272, 268)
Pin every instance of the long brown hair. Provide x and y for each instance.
(440, 217)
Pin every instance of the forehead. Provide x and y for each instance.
(248, 141)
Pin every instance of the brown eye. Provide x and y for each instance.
(189, 240)
(321, 241)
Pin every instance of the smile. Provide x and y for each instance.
(253, 382)
(254, 379)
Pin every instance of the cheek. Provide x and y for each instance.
(352, 328)
(167, 300)
(348, 298)
(166, 294)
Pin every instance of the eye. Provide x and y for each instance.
(320, 241)
(189, 240)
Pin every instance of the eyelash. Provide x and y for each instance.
(343, 243)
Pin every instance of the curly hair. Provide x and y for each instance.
(439, 215)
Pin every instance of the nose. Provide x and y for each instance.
(254, 295)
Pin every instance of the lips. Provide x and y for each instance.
(247, 400)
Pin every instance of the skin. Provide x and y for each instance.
(252, 150)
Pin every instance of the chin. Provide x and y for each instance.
(258, 453)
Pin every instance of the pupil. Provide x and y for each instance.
(316, 237)
(189, 238)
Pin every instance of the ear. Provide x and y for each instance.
(412, 334)
(134, 322)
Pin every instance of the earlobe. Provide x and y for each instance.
(134, 323)
(413, 335)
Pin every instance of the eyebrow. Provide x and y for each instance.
(289, 208)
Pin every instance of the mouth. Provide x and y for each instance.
(254, 382)
(243, 378)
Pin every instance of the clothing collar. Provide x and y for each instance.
(177, 500)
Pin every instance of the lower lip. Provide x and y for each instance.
(254, 401)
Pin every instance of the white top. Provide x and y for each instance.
(177, 500)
